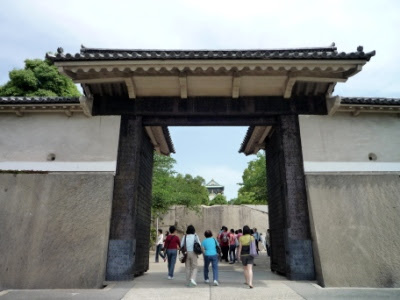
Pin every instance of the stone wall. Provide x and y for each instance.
(356, 229)
(54, 229)
(33, 137)
(345, 138)
(213, 217)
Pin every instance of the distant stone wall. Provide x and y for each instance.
(213, 217)
(54, 229)
(355, 223)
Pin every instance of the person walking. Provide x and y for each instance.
(159, 245)
(191, 260)
(256, 236)
(223, 240)
(268, 242)
(210, 245)
(232, 247)
(262, 240)
(244, 255)
(172, 245)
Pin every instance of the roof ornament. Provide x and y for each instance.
(82, 46)
(60, 50)
(333, 44)
(360, 49)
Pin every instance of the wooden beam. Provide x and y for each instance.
(130, 84)
(235, 86)
(208, 121)
(333, 105)
(153, 140)
(183, 85)
(290, 82)
(101, 80)
(356, 112)
(209, 106)
(289, 87)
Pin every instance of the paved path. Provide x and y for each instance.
(155, 285)
(267, 285)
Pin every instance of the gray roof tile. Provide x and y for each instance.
(246, 139)
(37, 100)
(370, 101)
(99, 54)
(168, 139)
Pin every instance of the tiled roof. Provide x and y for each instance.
(37, 100)
(370, 101)
(320, 53)
(246, 138)
(168, 139)
(213, 183)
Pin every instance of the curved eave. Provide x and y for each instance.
(160, 139)
(358, 105)
(254, 140)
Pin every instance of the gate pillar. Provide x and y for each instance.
(299, 254)
(128, 248)
(290, 234)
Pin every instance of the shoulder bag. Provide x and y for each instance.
(196, 246)
(218, 249)
(253, 249)
(183, 252)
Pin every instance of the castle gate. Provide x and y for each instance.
(264, 89)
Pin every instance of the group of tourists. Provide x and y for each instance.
(229, 246)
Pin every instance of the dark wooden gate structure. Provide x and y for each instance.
(291, 251)
(264, 89)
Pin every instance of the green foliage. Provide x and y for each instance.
(190, 191)
(253, 190)
(219, 200)
(38, 78)
(153, 236)
(163, 183)
(170, 188)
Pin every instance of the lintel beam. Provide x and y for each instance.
(249, 107)
(208, 121)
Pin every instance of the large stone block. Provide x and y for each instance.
(54, 229)
(356, 229)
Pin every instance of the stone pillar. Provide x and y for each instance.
(130, 220)
(299, 254)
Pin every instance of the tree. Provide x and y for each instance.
(38, 78)
(219, 200)
(253, 190)
(163, 183)
(170, 188)
(190, 191)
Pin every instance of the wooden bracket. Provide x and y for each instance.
(130, 84)
(235, 86)
(183, 85)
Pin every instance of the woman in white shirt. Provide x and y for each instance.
(191, 259)
(159, 245)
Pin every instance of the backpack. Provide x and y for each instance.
(225, 238)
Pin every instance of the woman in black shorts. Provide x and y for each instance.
(244, 255)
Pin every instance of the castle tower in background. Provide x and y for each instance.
(214, 188)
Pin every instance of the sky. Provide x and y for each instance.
(30, 28)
